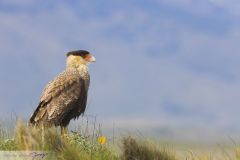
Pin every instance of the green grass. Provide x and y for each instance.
(72, 147)
(78, 146)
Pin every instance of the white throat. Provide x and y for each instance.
(83, 69)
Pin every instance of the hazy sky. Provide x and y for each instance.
(159, 62)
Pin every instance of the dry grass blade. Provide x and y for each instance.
(133, 150)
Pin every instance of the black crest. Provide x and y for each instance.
(81, 53)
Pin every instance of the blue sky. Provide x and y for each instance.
(160, 63)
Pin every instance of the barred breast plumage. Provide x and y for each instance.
(64, 98)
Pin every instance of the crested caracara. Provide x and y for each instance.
(65, 97)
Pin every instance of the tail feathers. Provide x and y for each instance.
(37, 115)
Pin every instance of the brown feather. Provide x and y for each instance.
(64, 98)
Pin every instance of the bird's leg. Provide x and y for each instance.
(64, 130)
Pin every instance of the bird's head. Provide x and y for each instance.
(79, 57)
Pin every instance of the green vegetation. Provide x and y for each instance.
(72, 147)
(78, 146)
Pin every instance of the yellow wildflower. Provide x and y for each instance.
(102, 140)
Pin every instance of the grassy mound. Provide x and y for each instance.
(72, 147)
(79, 146)
(133, 150)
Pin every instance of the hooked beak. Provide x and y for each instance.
(92, 59)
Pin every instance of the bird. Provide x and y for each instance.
(65, 97)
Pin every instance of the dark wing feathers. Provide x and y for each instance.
(60, 97)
